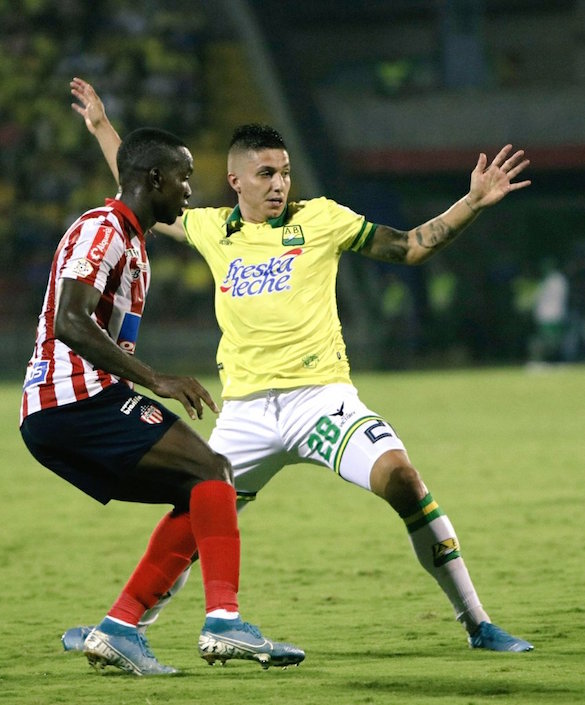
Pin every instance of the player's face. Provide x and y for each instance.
(262, 182)
(175, 191)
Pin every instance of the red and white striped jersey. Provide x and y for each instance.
(105, 248)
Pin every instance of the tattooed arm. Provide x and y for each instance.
(489, 184)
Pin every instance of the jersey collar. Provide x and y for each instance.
(234, 221)
(126, 213)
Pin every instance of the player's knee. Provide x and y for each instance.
(215, 467)
(221, 469)
(218, 467)
(405, 489)
(403, 480)
(399, 483)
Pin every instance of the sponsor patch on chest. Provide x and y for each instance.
(269, 277)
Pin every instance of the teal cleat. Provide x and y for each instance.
(74, 638)
(224, 639)
(490, 637)
(113, 644)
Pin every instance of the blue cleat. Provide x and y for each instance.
(126, 648)
(224, 639)
(74, 638)
(490, 637)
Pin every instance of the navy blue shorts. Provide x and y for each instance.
(96, 443)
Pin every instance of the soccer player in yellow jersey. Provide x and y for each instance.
(287, 393)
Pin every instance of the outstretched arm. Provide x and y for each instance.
(92, 110)
(489, 184)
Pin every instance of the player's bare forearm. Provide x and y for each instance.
(439, 232)
(109, 141)
(176, 230)
(489, 184)
(417, 245)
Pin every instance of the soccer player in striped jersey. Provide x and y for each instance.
(287, 393)
(82, 418)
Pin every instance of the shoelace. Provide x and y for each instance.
(145, 646)
(252, 629)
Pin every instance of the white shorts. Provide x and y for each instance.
(327, 425)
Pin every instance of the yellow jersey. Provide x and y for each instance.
(275, 296)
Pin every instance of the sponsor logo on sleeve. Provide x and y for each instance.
(100, 244)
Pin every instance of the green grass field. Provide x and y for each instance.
(328, 566)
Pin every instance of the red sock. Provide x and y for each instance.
(168, 553)
(215, 526)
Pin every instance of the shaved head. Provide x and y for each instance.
(252, 137)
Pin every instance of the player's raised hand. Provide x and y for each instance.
(187, 390)
(490, 183)
(90, 106)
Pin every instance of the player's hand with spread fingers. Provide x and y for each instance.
(490, 183)
(92, 110)
(187, 390)
(90, 106)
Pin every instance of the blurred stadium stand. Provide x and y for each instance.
(384, 105)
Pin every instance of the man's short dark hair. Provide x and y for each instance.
(145, 149)
(255, 136)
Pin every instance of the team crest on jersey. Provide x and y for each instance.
(292, 235)
(83, 268)
(268, 277)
